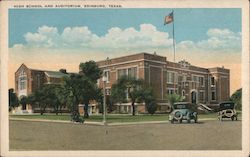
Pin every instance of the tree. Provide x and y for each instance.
(72, 87)
(13, 100)
(55, 97)
(61, 96)
(23, 101)
(173, 98)
(118, 94)
(151, 107)
(236, 97)
(134, 88)
(92, 73)
(110, 104)
(38, 98)
(149, 99)
(91, 70)
(79, 89)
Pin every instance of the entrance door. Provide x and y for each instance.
(193, 97)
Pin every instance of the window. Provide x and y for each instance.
(184, 78)
(180, 78)
(125, 108)
(201, 95)
(201, 81)
(107, 75)
(130, 72)
(195, 78)
(108, 91)
(122, 72)
(22, 81)
(183, 94)
(212, 81)
(171, 91)
(38, 81)
(213, 95)
(171, 76)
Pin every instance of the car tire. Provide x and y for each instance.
(220, 118)
(229, 113)
(196, 120)
(180, 121)
(180, 115)
(232, 118)
(188, 120)
(172, 121)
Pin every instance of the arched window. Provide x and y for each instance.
(22, 81)
(183, 94)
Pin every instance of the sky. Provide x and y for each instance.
(62, 38)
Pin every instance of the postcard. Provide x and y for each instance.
(124, 78)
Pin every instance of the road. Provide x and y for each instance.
(205, 135)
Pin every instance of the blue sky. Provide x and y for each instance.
(190, 24)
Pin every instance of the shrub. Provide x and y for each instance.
(151, 107)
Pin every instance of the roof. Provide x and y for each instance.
(55, 74)
(132, 57)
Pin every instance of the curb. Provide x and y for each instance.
(101, 123)
(55, 121)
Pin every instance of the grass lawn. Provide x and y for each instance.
(110, 118)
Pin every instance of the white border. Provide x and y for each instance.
(131, 4)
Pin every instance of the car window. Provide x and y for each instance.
(181, 106)
(227, 106)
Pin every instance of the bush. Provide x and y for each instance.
(237, 99)
(75, 117)
(151, 107)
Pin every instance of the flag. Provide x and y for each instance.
(168, 19)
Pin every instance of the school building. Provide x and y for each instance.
(195, 84)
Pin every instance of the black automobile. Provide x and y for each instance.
(183, 111)
(227, 110)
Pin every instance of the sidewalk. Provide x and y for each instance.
(101, 123)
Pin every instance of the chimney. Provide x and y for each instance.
(63, 71)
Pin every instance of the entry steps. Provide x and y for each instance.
(204, 107)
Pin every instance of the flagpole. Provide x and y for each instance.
(173, 36)
(174, 50)
(170, 19)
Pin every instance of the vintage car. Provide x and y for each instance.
(227, 110)
(183, 111)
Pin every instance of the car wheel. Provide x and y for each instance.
(236, 117)
(196, 119)
(232, 118)
(229, 113)
(180, 121)
(220, 118)
(178, 115)
(172, 121)
(188, 120)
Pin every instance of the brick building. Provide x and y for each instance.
(29, 80)
(194, 84)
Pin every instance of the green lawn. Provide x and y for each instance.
(110, 118)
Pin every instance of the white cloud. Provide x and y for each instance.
(147, 37)
(81, 37)
(45, 37)
(219, 40)
(77, 36)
